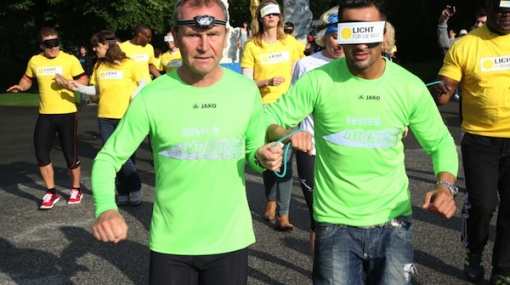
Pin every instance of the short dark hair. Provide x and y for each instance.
(289, 24)
(480, 13)
(140, 28)
(46, 31)
(114, 52)
(349, 4)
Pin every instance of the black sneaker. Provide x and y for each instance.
(473, 268)
(498, 279)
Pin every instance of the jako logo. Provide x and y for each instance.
(208, 106)
(373, 97)
(195, 106)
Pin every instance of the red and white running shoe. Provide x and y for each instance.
(49, 200)
(75, 197)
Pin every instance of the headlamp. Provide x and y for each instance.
(202, 22)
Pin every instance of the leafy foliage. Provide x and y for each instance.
(78, 20)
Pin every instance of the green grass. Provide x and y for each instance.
(25, 99)
(19, 99)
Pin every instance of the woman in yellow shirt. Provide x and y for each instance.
(269, 58)
(116, 79)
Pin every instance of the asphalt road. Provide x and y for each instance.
(57, 247)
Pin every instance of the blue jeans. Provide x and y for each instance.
(381, 255)
(127, 179)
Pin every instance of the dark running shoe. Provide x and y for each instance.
(498, 279)
(473, 268)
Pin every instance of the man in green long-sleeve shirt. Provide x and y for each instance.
(361, 105)
(204, 123)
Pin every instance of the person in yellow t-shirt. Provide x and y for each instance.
(291, 31)
(479, 63)
(269, 58)
(171, 59)
(142, 52)
(116, 79)
(57, 112)
(157, 59)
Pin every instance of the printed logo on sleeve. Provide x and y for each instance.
(111, 75)
(49, 71)
(140, 57)
(272, 58)
(498, 63)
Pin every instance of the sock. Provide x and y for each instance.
(52, 190)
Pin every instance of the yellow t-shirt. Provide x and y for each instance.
(300, 47)
(481, 62)
(157, 63)
(116, 83)
(54, 98)
(143, 56)
(170, 61)
(269, 61)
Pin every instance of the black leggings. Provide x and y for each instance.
(305, 165)
(46, 127)
(226, 269)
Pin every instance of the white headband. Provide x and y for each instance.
(360, 32)
(504, 4)
(269, 9)
(169, 39)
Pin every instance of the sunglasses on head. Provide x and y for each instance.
(51, 43)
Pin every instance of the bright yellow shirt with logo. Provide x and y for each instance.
(143, 56)
(268, 61)
(300, 47)
(170, 61)
(481, 62)
(116, 83)
(54, 98)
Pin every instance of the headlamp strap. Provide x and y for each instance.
(201, 21)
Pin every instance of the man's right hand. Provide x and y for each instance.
(110, 226)
(446, 14)
(14, 89)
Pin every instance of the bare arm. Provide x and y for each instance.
(301, 140)
(443, 91)
(275, 81)
(154, 71)
(24, 84)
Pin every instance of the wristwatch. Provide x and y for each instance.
(453, 189)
